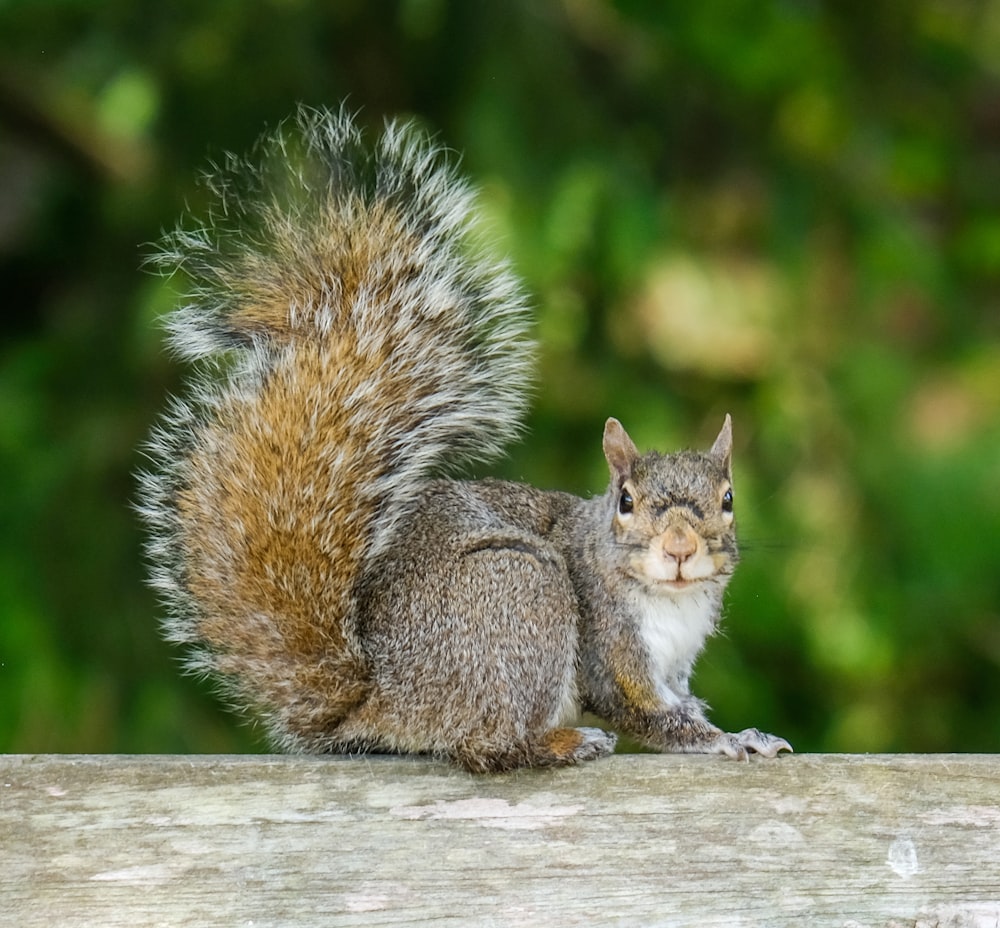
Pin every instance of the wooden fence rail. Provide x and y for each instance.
(821, 840)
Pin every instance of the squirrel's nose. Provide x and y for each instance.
(680, 542)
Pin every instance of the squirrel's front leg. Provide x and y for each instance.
(684, 729)
(675, 723)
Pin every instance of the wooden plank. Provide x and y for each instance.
(820, 840)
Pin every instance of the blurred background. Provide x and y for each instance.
(789, 211)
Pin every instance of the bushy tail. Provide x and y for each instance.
(351, 340)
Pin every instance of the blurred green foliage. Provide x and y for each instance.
(785, 210)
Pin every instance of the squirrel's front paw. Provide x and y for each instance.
(749, 741)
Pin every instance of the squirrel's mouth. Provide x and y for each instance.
(656, 578)
(680, 585)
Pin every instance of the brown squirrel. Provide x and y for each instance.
(355, 345)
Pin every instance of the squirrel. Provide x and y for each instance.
(355, 344)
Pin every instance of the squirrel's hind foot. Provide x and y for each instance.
(557, 747)
(563, 746)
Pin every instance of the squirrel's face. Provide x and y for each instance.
(674, 521)
(673, 514)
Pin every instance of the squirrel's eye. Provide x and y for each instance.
(625, 503)
(727, 501)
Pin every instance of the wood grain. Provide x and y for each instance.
(822, 840)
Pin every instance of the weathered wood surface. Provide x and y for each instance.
(841, 841)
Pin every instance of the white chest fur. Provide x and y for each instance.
(674, 629)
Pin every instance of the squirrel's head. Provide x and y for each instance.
(673, 513)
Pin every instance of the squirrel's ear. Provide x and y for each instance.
(620, 451)
(723, 447)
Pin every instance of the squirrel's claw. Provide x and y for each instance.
(741, 745)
